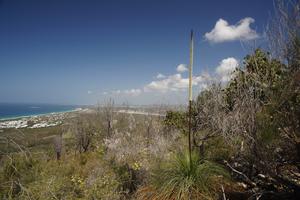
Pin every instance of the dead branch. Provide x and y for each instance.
(247, 179)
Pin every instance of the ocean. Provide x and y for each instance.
(13, 110)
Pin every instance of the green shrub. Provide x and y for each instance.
(127, 177)
(175, 120)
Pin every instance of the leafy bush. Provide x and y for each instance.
(175, 120)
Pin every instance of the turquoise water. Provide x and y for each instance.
(13, 110)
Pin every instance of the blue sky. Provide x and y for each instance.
(81, 52)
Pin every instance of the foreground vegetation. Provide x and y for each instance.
(246, 140)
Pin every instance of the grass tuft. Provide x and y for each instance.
(177, 179)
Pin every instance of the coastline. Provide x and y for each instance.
(38, 121)
(38, 115)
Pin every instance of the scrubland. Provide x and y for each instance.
(245, 140)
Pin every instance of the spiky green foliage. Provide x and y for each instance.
(180, 179)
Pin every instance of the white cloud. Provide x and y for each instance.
(181, 68)
(133, 92)
(226, 68)
(160, 76)
(89, 92)
(223, 32)
(175, 83)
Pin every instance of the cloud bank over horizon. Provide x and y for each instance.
(177, 83)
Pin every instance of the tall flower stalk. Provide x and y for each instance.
(190, 94)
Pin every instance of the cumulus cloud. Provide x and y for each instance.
(181, 68)
(223, 32)
(175, 83)
(226, 68)
(160, 76)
